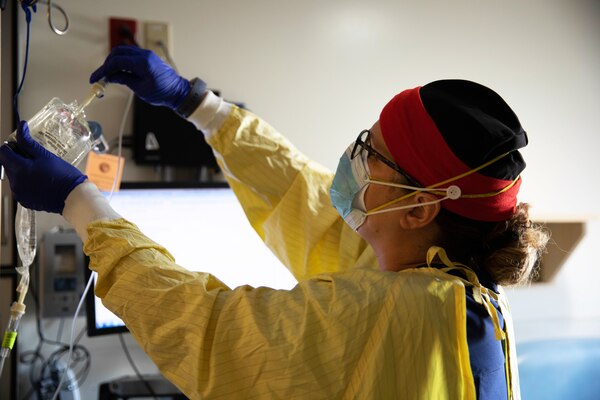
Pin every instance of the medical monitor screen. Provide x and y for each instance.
(205, 229)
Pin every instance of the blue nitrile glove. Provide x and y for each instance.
(39, 179)
(146, 74)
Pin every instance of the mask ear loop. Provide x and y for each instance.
(452, 192)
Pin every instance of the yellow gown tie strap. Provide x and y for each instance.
(481, 294)
(484, 296)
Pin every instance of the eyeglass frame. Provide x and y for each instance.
(364, 145)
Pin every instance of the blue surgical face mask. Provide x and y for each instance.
(350, 183)
(348, 188)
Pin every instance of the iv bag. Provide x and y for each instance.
(25, 234)
(63, 130)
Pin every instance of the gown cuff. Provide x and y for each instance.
(210, 114)
(86, 204)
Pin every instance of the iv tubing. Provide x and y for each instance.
(72, 339)
(93, 274)
(17, 310)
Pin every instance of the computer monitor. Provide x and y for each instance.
(205, 229)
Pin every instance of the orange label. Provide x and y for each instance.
(102, 170)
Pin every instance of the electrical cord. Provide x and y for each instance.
(37, 356)
(25, 6)
(71, 341)
(60, 328)
(32, 357)
(80, 355)
(137, 372)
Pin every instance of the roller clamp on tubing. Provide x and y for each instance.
(193, 99)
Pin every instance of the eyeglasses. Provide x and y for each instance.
(363, 142)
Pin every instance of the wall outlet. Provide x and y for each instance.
(122, 32)
(157, 38)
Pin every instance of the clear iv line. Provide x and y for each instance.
(25, 231)
(93, 274)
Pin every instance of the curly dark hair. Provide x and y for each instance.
(509, 251)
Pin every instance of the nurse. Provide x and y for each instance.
(400, 255)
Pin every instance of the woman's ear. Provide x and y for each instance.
(421, 215)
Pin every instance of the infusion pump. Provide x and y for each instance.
(61, 273)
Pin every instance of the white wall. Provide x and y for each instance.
(320, 71)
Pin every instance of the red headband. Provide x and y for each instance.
(419, 148)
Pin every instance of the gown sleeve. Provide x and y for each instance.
(285, 196)
(334, 336)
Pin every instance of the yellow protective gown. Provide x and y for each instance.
(345, 331)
